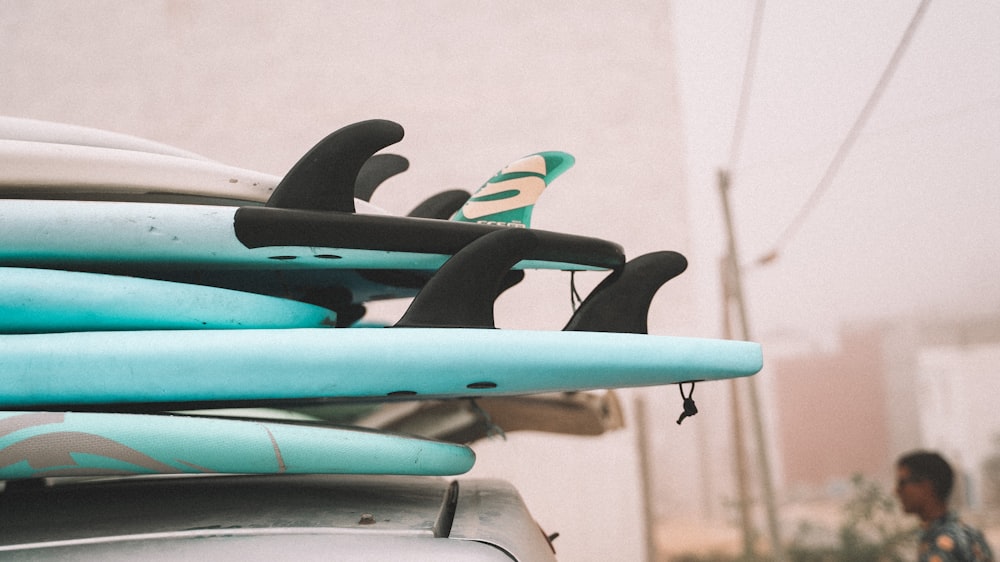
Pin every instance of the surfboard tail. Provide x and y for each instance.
(508, 198)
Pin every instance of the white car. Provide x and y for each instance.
(314, 517)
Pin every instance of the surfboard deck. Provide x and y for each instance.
(66, 171)
(35, 130)
(45, 444)
(220, 366)
(48, 300)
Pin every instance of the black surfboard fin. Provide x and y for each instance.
(512, 278)
(620, 303)
(324, 179)
(442, 205)
(375, 171)
(462, 292)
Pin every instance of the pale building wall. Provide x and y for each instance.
(476, 85)
(958, 409)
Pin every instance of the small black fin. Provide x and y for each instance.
(350, 315)
(462, 292)
(375, 171)
(441, 206)
(324, 179)
(417, 279)
(512, 278)
(621, 302)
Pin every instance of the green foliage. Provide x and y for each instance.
(991, 477)
(718, 557)
(872, 531)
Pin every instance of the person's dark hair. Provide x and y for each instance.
(925, 465)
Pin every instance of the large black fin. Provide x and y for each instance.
(324, 179)
(621, 302)
(442, 205)
(375, 171)
(462, 292)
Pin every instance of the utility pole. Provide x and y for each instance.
(645, 474)
(736, 413)
(764, 465)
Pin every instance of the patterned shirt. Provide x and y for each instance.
(948, 539)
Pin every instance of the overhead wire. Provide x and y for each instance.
(733, 294)
(746, 86)
(848, 143)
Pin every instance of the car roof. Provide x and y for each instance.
(250, 547)
(432, 518)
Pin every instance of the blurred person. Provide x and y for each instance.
(924, 482)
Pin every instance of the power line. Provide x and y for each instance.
(852, 136)
(747, 85)
(734, 294)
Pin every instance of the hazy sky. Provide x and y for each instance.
(909, 224)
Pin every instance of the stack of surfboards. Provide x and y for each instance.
(137, 279)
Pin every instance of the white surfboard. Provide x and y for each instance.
(35, 130)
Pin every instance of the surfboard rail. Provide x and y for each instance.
(209, 366)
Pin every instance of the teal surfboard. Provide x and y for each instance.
(334, 260)
(113, 235)
(44, 444)
(210, 366)
(91, 201)
(311, 219)
(46, 300)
